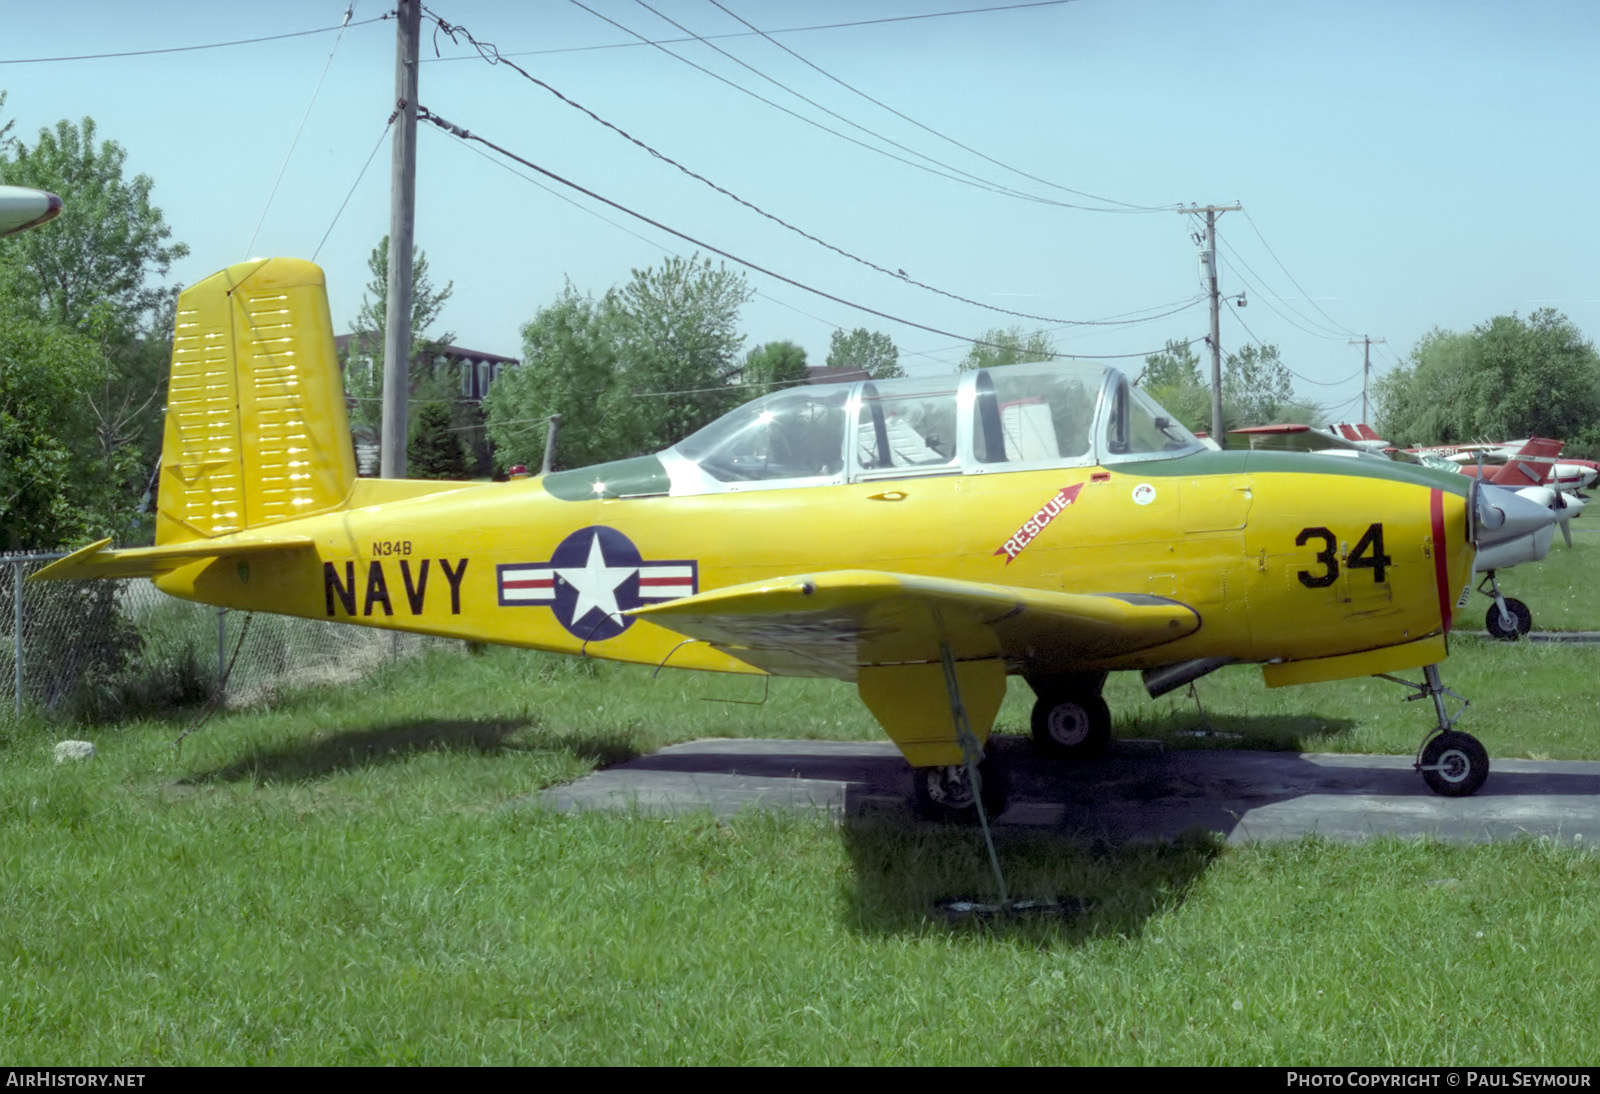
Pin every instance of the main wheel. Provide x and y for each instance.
(1454, 764)
(1074, 725)
(1521, 621)
(945, 793)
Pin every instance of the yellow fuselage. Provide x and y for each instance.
(1262, 546)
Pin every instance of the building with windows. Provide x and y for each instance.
(476, 371)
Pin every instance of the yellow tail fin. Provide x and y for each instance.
(256, 429)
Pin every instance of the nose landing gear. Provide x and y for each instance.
(1452, 763)
(1509, 618)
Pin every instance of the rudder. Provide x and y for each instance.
(256, 430)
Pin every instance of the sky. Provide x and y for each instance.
(1400, 166)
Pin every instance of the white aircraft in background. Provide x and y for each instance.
(22, 208)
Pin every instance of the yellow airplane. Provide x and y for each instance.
(921, 538)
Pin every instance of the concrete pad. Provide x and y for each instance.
(1128, 795)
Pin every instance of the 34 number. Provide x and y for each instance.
(1368, 555)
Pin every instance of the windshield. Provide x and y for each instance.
(793, 434)
(1136, 427)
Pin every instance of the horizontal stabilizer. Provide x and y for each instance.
(98, 560)
(833, 623)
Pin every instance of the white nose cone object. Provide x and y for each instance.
(22, 208)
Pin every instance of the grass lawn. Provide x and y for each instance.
(353, 876)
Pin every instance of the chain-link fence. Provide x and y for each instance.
(94, 649)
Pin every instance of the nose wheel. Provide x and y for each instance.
(946, 793)
(1509, 618)
(1452, 763)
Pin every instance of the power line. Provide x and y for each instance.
(970, 180)
(975, 179)
(1262, 346)
(559, 196)
(190, 49)
(424, 114)
(295, 140)
(1129, 207)
(780, 30)
(489, 53)
(1266, 296)
(1290, 276)
(359, 176)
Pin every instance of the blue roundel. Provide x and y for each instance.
(593, 577)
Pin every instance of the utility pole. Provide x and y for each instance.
(402, 217)
(1208, 260)
(1366, 368)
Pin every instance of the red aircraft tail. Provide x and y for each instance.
(1530, 466)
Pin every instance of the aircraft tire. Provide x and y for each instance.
(945, 793)
(1522, 621)
(1071, 725)
(1454, 765)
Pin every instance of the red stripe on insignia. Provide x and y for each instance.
(530, 583)
(1441, 567)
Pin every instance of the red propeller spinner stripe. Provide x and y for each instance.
(1441, 557)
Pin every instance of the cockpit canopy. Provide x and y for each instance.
(999, 419)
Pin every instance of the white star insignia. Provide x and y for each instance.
(596, 584)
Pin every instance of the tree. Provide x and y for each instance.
(6, 139)
(569, 367)
(108, 246)
(870, 351)
(429, 384)
(1172, 378)
(1508, 377)
(677, 346)
(1257, 387)
(435, 451)
(643, 367)
(773, 366)
(1008, 346)
(95, 270)
(58, 487)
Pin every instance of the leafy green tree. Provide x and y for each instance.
(430, 383)
(774, 365)
(1257, 387)
(58, 486)
(95, 270)
(678, 346)
(644, 366)
(109, 245)
(871, 351)
(1172, 378)
(6, 139)
(436, 451)
(1546, 376)
(569, 367)
(1509, 377)
(1008, 346)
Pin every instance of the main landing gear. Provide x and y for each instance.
(1070, 719)
(1509, 618)
(1452, 763)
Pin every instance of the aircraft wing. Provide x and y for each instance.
(831, 624)
(97, 560)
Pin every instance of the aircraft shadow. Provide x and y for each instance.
(906, 874)
(374, 746)
(1245, 795)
